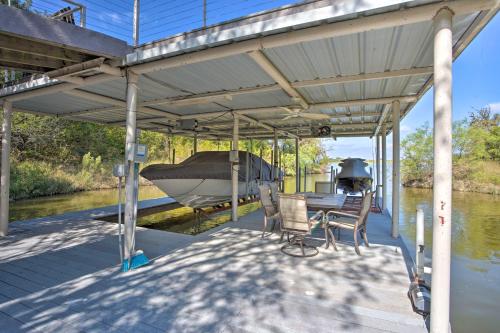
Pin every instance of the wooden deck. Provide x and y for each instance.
(60, 274)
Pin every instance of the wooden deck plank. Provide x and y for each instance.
(227, 279)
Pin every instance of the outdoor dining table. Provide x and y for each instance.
(324, 201)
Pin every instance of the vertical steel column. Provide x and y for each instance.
(136, 22)
(5, 170)
(384, 168)
(234, 171)
(377, 167)
(420, 244)
(441, 214)
(275, 158)
(395, 168)
(297, 166)
(195, 143)
(129, 222)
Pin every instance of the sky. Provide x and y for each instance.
(476, 83)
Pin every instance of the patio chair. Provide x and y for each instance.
(274, 192)
(296, 222)
(270, 208)
(354, 222)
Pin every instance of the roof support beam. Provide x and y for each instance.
(264, 125)
(271, 70)
(368, 101)
(113, 101)
(363, 77)
(209, 97)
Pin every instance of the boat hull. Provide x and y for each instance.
(201, 193)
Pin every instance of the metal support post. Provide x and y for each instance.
(384, 168)
(441, 214)
(234, 171)
(130, 182)
(275, 158)
(332, 178)
(5, 169)
(195, 143)
(395, 167)
(305, 179)
(297, 166)
(377, 170)
(136, 22)
(420, 244)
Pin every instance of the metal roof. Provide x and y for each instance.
(347, 60)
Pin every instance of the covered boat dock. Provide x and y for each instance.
(354, 67)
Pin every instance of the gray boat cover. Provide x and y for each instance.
(209, 165)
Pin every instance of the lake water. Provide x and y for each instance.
(475, 267)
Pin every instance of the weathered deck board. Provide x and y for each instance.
(61, 274)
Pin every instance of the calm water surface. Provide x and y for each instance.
(475, 268)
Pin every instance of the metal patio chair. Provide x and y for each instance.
(355, 222)
(270, 208)
(295, 222)
(273, 186)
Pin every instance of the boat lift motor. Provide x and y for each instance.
(136, 153)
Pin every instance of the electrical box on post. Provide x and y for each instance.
(119, 170)
(234, 156)
(137, 153)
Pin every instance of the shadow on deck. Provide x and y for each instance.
(62, 275)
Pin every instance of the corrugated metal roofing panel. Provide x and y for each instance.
(228, 73)
(192, 109)
(58, 103)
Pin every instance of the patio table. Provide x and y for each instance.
(324, 201)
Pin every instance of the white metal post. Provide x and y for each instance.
(275, 158)
(297, 166)
(5, 175)
(441, 214)
(195, 143)
(420, 244)
(377, 169)
(395, 168)
(136, 22)
(384, 168)
(234, 171)
(129, 221)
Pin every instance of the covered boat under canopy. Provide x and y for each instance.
(204, 179)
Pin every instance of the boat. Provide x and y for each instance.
(204, 179)
(353, 177)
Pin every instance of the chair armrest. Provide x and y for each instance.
(318, 214)
(334, 212)
(316, 219)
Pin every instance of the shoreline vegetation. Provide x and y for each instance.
(476, 154)
(52, 155)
